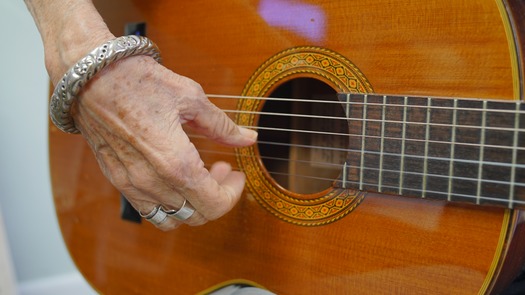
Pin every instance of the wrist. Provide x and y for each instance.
(70, 48)
(78, 36)
(70, 29)
(68, 88)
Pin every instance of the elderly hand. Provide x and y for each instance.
(131, 114)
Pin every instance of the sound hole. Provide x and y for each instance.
(304, 145)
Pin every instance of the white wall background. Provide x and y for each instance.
(37, 250)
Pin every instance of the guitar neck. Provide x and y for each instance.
(447, 149)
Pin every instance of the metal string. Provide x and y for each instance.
(358, 167)
(356, 183)
(360, 136)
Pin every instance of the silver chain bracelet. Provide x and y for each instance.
(77, 76)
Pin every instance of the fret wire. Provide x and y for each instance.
(345, 169)
(363, 132)
(427, 136)
(347, 107)
(403, 135)
(345, 176)
(481, 151)
(514, 157)
(381, 157)
(453, 140)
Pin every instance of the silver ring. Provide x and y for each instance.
(157, 216)
(185, 211)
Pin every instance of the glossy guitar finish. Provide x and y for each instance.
(386, 244)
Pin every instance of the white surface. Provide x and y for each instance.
(37, 250)
(66, 284)
(7, 277)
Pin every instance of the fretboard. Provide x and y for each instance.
(448, 149)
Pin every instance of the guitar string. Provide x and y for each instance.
(409, 156)
(359, 136)
(334, 165)
(381, 104)
(227, 111)
(310, 100)
(447, 159)
(368, 152)
(473, 127)
(394, 188)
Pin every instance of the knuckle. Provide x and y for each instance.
(192, 98)
(194, 88)
(191, 89)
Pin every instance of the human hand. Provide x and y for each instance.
(132, 113)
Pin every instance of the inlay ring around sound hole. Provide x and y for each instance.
(305, 209)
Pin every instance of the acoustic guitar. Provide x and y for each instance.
(390, 158)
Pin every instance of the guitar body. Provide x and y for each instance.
(378, 244)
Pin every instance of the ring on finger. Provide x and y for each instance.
(185, 211)
(157, 216)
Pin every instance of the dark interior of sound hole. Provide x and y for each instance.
(302, 142)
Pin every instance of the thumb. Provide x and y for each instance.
(215, 124)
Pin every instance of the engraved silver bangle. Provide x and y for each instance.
(75, 78)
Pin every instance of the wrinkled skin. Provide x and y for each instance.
(131, 114)
(137, 136)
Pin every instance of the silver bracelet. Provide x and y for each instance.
(69, 86)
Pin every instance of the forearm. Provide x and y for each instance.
(69, 30)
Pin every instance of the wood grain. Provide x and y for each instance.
(387, 245)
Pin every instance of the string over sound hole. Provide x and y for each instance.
(303, 142)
